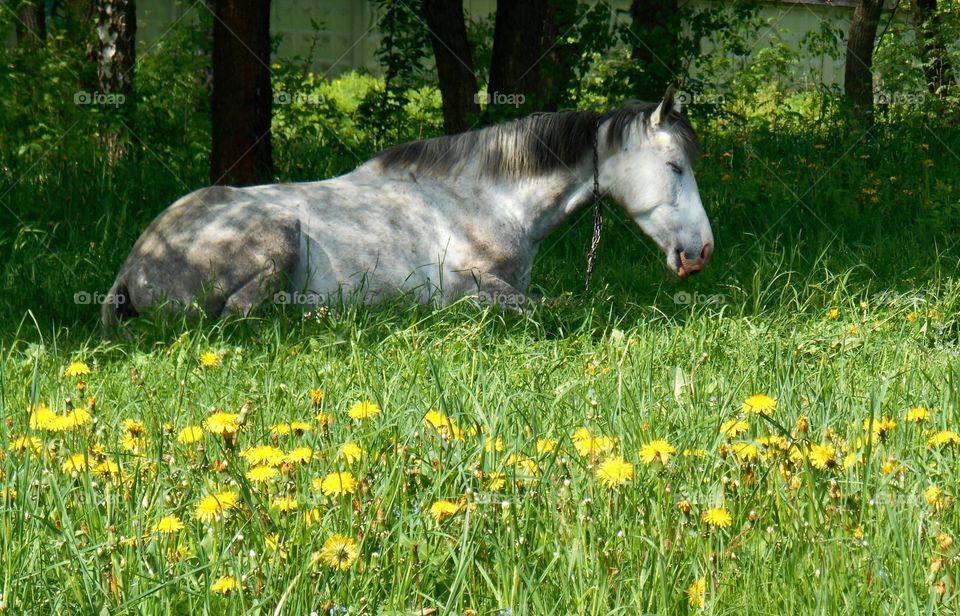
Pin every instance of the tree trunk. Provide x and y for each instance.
(117, 31)
(451, 49)
(557, 65)
(655, 25)
(858, 71)
(242, 96)
(517, 50)
(933, 51)
(116, 58)
(31, 24)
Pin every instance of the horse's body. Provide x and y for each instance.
(442, 218)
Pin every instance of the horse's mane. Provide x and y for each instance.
(534, 145)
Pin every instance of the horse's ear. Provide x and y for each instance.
(668, 104)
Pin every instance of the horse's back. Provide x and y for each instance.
(217, 248)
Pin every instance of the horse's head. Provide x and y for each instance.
(650, 173)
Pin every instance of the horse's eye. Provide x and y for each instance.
(676, 168)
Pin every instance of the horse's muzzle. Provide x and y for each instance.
(691, 263)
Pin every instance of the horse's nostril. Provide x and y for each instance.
(706, 252)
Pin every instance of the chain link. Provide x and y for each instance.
(597, 211)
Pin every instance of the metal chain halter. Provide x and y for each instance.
(597, 212)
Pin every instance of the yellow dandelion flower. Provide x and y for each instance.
(299, 427)
(443, 509)
(168, 525)
(77, 463)
(734, 427)
(281, 429)
(26, 443)
(76, 418)
(363, 410)
(879, 428)
(339, 552)
(529, 467)
(803, 424)
(944, 540)
(918, 414)
(209, 359)
(338, 484)
(745, 452)
(588, 445)
(177, 554)
(216, 506)
(134, 427)
(546, 445)
(934, 497)
(614, 471)
(496, 481)
(312, 516)
(944, 438)
(132, 443)
(285, 504)
(697, 593)
(657, 451)
(272, 541)
(823, 456)
(833, 313)
(852, 459)
(759, 404)
(222, 423)
(225, 585)
(267, 455)
(107, 468)
(190, 435)
(41, 417)
(912, 316)
(445, 426)
(7, 495)
(773, 441)
(351, 452)
(299, 455)
(77, 368)
(492, 444)
(718, 517)
(324, 419)
(316, 396)
(684, 506)
(262, 474)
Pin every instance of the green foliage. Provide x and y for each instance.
(404, 47)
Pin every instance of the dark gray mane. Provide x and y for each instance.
(534, 145)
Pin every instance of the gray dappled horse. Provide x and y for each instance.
(440, 218)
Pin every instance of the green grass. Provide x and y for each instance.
(561, 543)
(801, 230)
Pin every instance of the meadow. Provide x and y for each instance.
(776, 435)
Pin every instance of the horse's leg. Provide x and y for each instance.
(280, 257)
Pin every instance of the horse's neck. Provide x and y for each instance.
(537, 204)
(544, 204)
